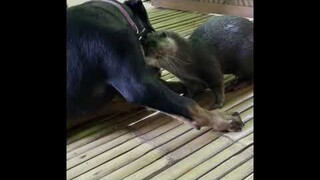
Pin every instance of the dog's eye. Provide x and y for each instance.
(152, 43)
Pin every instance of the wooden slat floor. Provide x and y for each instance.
(149, 145)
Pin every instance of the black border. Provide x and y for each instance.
(281, 95)
(34, 102)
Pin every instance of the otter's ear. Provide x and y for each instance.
(163, 34)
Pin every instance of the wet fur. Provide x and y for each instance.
(230, 39)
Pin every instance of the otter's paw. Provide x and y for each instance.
(237, 85)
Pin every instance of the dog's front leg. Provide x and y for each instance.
(151, 93)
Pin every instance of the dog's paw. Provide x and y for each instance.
(235, 124)
(215, 106)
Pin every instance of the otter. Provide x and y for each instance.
(222, 45)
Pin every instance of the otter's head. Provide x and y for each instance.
(160, 47)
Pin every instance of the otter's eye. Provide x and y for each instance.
(163, 35)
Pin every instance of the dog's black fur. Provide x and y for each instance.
(104, 56)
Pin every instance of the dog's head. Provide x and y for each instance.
(140, 17)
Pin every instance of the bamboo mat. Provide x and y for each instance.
(149, 145)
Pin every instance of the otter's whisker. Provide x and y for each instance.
(178, 60)
(171, 65)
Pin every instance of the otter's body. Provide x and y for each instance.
(230, 39)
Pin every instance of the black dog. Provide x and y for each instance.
(104, 56)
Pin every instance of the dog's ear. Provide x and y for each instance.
(132, 2)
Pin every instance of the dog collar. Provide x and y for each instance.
(127, 17)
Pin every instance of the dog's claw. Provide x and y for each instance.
(215, 106)
(236, 123)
